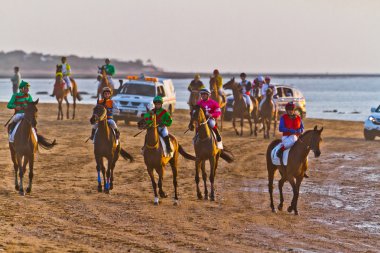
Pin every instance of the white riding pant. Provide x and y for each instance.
(67, 81)
(221, 92)
(111, 123)
(211, 123)
(111, 81)
(247, 100)
(163, 131)
(16, 118)
(263, 100)
(288, 141)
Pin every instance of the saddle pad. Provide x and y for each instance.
(164, 148)
(11, 137)
(275, 159)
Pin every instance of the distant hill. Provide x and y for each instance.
(43, 65)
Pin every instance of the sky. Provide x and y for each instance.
(271, 36)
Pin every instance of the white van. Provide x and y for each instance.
(136, 95)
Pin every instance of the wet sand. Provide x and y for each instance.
(339, 204)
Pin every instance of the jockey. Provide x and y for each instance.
(245, 87)
(212, 111)
(291, 127)
(163, 119)
(111, 107)
(66, 72)
(19, 102)
(219, 83)
(110, 70)
(265, 86)
(196, 84)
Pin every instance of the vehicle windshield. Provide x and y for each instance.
(378, 109)
(138, 89)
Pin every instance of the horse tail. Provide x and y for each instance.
(227, 155)
(184, 154)
(79, 97)
(75, 90)
(126, 155)
(42, 142)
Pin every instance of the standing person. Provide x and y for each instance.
(110, 71)
(16, 78)
(66, 72)
(111, 107)
(19, 102)
(163, 120)
(212, 112)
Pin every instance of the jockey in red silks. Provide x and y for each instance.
(212, 111)
(291, 127)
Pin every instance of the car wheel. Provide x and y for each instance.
(368, 136)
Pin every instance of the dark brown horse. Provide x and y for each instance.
(268, 113)
(240, 109)
(104, 82)
(220, 99)
(155, 159)
(206, 149)
(105, 146)
(61, 93)
(25, 146)
(294, 171)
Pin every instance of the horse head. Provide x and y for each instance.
(197, 115)
(314, 141)
(231, 84)
(31, 113)
(99, 113)
(269, 92)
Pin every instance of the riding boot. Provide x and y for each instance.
(280, 153)
(71, 91)
(92, 134)
(218, 137)
(167, 143)
(11, 126)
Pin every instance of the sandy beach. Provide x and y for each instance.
(339, 204)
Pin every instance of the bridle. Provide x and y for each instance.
(312, 142)
(156, 145)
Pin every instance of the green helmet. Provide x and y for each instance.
(23, 84)
(158, 99)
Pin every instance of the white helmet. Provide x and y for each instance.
(260, 79)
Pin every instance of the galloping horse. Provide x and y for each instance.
(155, 159)
(61, 94)
(25, 145)
(105, 146)
(268, 112)
(296, 167)
(240, 109)
(220, 99)
(206, 149)
(104, 82)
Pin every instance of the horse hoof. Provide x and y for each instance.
(200, 196)
(296, 212)
(100, 189)
(175, 203)
(206, 197)
(279, 207)
(17, 187)
(22, 193)
(111, 187)
(290, 209)
(28, 190)
(212, 198)
(273, 210)
(106, 191)
(163, 195)
(156, 201)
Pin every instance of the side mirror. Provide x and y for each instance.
(373, 109)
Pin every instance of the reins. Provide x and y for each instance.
(156, 145)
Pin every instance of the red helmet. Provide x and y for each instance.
(290, 106)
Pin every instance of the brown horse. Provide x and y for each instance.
(268, 113)
(193, 99)
(220, 99)
(155, 159)
(206, 149)
(104, 82)
(61, 94)
(25, 146)
(240, 109)
(105, 147)
(296, 167)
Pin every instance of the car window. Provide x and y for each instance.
(288, 92)
(160, 91)
(378, 109)
(279, 92)
(138, 89)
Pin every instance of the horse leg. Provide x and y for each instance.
(154, 185)
(173, 164)
(295, 195)
(298, 186)
(108, 175)
(250, 123)
(198, 164)
(68, 108)
(15, 166)
(74, 104)
(271, 170)
(241, 124)
(160, 172)
(21, 174)
(31, 167)
(269, 125)
(275, 124)
(264, 128)
(204, 177)
(280, 185)
(234, 125)
(212, 177)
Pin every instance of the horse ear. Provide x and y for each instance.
(36, 102)
(315, 128)
(320, 131)
(233, 79)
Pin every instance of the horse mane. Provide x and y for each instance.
(305, 133)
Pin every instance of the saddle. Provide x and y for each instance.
(275, 159)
